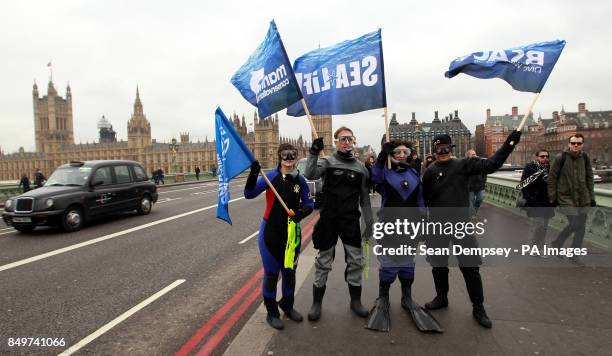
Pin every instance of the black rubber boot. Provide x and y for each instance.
(273, 317)
(406, 293)
(317, 298)
(286, 304)
(439, 302)
(481, 316)
(356, 306)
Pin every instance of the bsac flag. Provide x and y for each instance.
(266, 80)
(233, 157)
(525, 68)
(343, 79)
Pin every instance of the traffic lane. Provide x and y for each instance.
(73, 294)
(17, 246)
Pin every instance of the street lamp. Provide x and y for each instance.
(174, 147)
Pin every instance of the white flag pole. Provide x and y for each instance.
(387, 138)
(524, 120)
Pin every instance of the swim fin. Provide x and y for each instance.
(379, 319)
(422, 318)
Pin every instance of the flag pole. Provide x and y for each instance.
(314, 131)
(289, 211)
(524, 120)
(387, 135)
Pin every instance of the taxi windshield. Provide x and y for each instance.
(69, 176)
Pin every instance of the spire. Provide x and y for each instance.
(35, 90)
(137, 102)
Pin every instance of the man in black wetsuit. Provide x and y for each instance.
(345, 190)
(445, 185)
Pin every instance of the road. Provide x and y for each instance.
(59, 285)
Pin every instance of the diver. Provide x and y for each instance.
(273, 232)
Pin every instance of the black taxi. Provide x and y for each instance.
(79, 191)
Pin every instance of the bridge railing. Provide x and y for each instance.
(501, 191)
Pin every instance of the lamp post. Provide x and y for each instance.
(174, 147)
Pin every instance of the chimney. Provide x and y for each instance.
(435, 114)
(582, 108)
(488, 114)
(556, 116)
(515, 111)
(413, 115)
(456, 114)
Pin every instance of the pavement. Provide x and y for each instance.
(538, 307)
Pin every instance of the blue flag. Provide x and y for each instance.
(233, 157)
(343, 79)
(525, 68)
(266, 80)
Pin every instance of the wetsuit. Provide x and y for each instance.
(272, 238)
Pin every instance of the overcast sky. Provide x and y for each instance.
(182, 55)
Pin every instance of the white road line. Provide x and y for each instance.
(74, 348)
(165, 200)
(104, 238)
(8, 232)
(8, 228)
(248, 238)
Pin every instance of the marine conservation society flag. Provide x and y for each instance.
(233, 157)
(266, 80)
(343, 79)
(525, 68)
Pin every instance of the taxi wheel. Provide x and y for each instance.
(72, 219)
(145, 205)
(25, 228)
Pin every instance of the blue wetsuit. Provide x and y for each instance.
(272, 238)
(402, 198)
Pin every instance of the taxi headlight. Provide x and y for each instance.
(49, 203)
(8, 203)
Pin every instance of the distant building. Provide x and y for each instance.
(422, 134)
(54, 138)
(553, 134)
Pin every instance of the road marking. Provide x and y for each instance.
(198, 187)
(8, 228)
(165, 200)
(222, 332)
(120, 318)
(106, 237)
(8, 232)
(248, 238)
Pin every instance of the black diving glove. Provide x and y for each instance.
(317, 146)
(253, 174)
(385, 151)
(301, 214)
(514, 137)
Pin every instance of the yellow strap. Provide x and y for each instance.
(366, 270)
(293, 241)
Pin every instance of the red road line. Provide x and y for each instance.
(213, 342)
(210, 324)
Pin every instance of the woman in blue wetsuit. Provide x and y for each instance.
(402, 199)
(294, 191)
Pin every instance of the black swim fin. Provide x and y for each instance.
(379, 318)
(422, 318)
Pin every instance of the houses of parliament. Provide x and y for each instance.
(55, 144)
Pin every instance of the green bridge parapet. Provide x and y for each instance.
(501, 191)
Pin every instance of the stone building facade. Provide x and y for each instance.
(422, 134)
(553, 134)
(54, 136)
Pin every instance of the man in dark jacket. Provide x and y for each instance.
(534, 186)
(345, 198)
(197, 172)
(445, 186)
(571, 187)
(39, 178)
(476, 185)
(25, 183)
